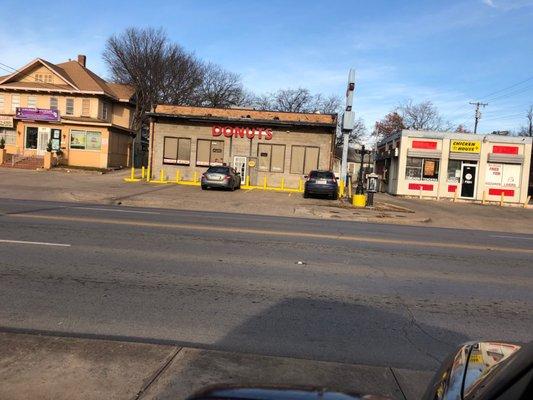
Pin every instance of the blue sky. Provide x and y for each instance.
(449, 52)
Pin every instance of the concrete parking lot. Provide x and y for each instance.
(91, 187)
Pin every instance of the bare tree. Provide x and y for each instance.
(220, 88)
(462, 129)
(422, 116)
(529, 116)
(390, 124)
(298, 100)
(160, 72)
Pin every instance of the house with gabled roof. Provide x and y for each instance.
(69, 107)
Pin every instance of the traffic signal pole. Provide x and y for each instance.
(348, 121)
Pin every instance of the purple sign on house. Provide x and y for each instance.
(37, 114)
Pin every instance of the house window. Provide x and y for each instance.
(176, 151)
(15, 102)
(271, 157)
(2, 103)
(104, 111)
(53, 103)
(422, 169)
(31, 137)
(85, 140)
(304, 159)
(85, 107)
(32, 101)
(209, 152)
(9, 135)
(70, 107)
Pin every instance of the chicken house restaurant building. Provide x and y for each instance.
(455, 165)
(258, 144)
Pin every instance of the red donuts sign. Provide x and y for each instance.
(242, 132)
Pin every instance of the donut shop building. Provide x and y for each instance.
(258, 144)
(464, 166)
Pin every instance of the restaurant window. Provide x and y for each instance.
(15, 102)
(454, 171)
(271, 157)
(85, 140)
(69, 107)
(304, 159)
(9, 135)
(85, 107)
(31, 137)
(209, 152)
(422, 168)
(32, 101)
(53, 103)
(176, 151)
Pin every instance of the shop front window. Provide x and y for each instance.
(422, 169)
(271, 157)
(9, 135)
(176, 151)
(31, 137)
(84, 140)
(209, 152)
(454, 171)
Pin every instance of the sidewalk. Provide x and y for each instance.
(48, 367)
(91, 187)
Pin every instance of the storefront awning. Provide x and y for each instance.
(506, 158)
(423, 154)
(464, 156)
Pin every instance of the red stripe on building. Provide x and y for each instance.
(505, 149)
(424, 144)
(498, 192)
(452, 188)
(418, 186)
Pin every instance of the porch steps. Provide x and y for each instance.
(23, 162)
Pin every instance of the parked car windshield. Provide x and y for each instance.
(218, 170)
(321, 175)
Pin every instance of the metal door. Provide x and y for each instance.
(240, 163)
(42, 140)
(468, 180)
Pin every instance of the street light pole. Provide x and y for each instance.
(348, 121)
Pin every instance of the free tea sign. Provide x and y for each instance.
(465, 146)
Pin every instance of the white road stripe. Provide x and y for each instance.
(114, 210)
(512, 237)
(36, 243)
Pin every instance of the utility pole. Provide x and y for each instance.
(477, 115)
(348, 122)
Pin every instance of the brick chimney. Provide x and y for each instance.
(82, 59)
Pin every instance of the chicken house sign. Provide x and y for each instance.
(241, 132)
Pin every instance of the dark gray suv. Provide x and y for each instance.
(321, 183)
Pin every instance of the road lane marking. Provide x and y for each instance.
(114, 210)
(251, 231)
(512, 237)
(35, 243)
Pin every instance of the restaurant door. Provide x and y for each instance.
(241, 165)
(42, 140)
(468, 180)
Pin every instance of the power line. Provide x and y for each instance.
(521, 90)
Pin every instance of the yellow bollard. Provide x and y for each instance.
(501, 199)
(282, 183)
(359, 200)
(161, 176)
(195, 176)
(455, 195)
(132, 173)
(341, 188)
(148, 174)
(300, 185)
(265, 182)
(142, 172)
(484, 199)
(248, 180)
(177, 176)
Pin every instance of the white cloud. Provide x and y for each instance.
(489, 3)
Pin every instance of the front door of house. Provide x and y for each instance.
(240, 164)
(468, 180)
(42, 140)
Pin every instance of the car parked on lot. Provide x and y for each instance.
(321, 183)
(222, 177)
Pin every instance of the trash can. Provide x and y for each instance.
(359, 200)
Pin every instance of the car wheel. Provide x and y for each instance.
(306, 195)
(335, 196)
(232, 187)
(204, 187)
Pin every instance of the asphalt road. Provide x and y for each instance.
(375, 294)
